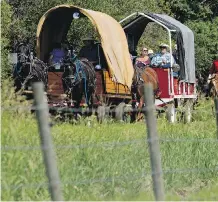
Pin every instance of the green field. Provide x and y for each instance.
(111, 161)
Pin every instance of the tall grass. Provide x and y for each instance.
(109, 161)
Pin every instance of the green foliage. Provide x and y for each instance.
(153, 36)
(184, 10)
(105, 154)
(206, 43)
(11, 100)
(26, 15)
(5, 32)
(201, 17)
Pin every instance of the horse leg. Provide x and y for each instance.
(134, 113)
(77, 97)
(17, 85)
(140, 115)
(90, 100)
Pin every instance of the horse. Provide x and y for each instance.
(142, 76)
(28, 69)
(213, 88)
(79, 80)
(212, 85)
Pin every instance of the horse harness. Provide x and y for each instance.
(23, 61)
(83, 72)
(140, 81)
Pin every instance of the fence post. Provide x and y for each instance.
(42, 115)
(154, 148)
(216, 113)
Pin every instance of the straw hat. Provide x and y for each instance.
(150, 51)
(163, 45)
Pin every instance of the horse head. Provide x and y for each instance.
(78, 78)
(143, 76)
(72, 73)
(138, 70)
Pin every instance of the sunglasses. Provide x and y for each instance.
(145, 50)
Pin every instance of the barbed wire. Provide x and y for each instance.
(201, 199)
(65, 109)
(108, 144)
(126, 109)
(110, 179)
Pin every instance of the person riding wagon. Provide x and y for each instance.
(143, 60)
(93, 52)
(57, 55)
(163, 59)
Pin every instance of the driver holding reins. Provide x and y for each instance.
(92, 52)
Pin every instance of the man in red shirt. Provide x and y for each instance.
(214, 68)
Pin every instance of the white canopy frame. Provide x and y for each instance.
(170, 74)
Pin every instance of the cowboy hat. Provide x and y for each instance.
(164, 45)
(150, 51)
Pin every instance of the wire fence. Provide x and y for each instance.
(107, 144)
(93, 110)
(109, 179)
(153, 141)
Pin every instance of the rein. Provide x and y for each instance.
(33, 70)
(83, 71)
(139, 80)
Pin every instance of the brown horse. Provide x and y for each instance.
(214, 85)
(141, 77)
(213, 89)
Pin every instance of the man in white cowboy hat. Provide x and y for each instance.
(163, 58)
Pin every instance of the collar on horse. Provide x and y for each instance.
(140, 81)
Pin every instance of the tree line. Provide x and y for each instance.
(20, 18)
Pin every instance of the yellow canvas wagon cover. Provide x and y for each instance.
(54, 25)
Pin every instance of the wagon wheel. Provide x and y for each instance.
(171, 113)
(188, 112)
(107, 112)
(119, 111)
(101, 111)
(127, 113)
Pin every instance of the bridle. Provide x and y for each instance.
(29, 59)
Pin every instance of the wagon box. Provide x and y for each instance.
(112, 82)
(174, 90)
